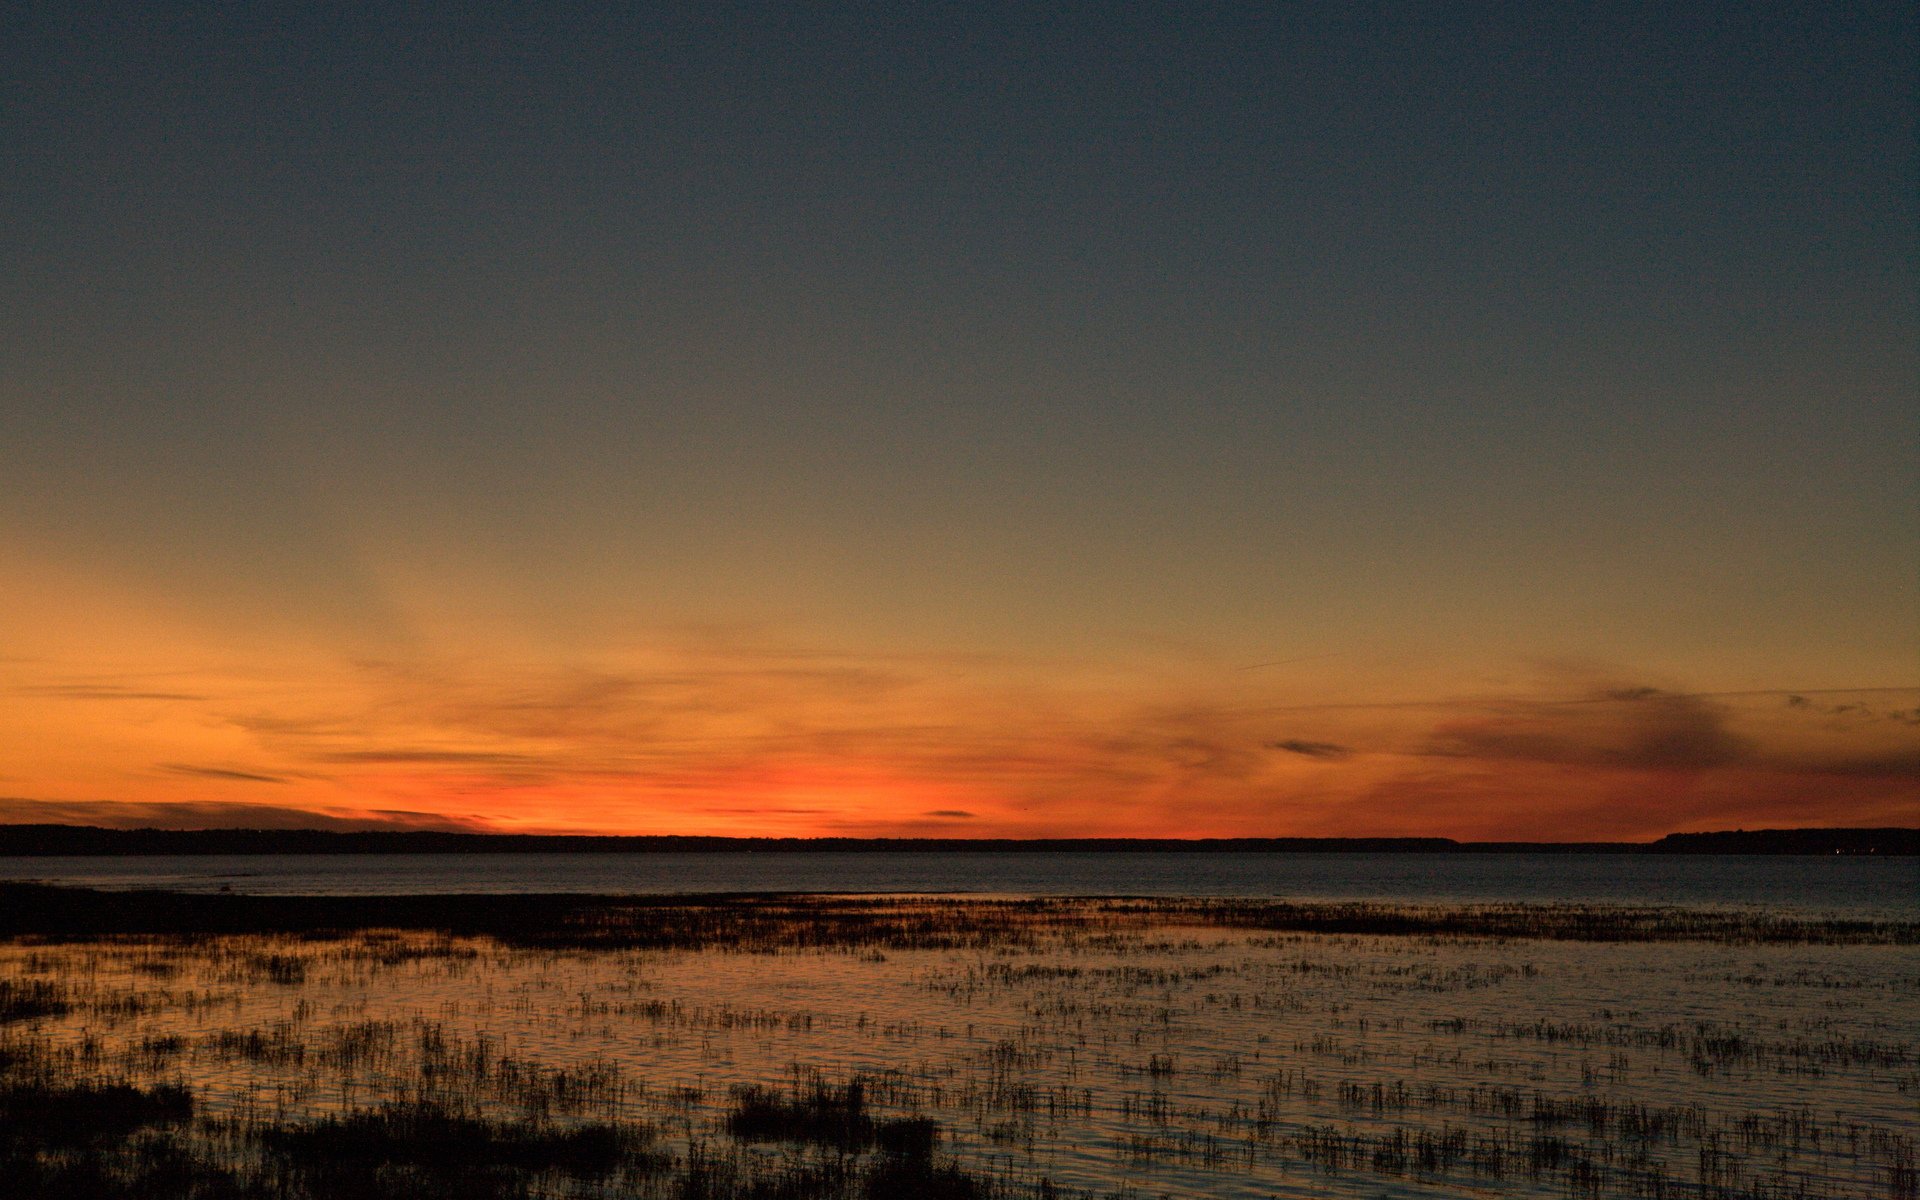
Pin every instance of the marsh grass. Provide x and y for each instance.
(827, 1116)
(428, 1135)
(777, 922)
(38, 1114)
(1557, 922)
(91, 1140)
(835, 1048)
(27, 999)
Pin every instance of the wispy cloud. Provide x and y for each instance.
(1329, 750)
(408, 756)
(707, 734)
(1854, 709)
(102, 691)
(221, 773)
(116, 814)
(1631, 727)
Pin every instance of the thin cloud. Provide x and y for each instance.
(221, 773)
(111, 814)
(482, 758)
(1891, 765)
(405, 815)
(101, 691)
(1857, 710)
(1631, 727)
(1327, 750)
(1631, 693)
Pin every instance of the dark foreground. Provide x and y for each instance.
(61, 1141)
(231, 1047)
(557, 920)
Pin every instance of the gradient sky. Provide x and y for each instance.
(1488, 420)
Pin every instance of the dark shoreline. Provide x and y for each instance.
(774, 921)
(57, 840)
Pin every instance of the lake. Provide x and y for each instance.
(955, 1026)
(1856, 885)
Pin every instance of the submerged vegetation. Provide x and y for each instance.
(788, 1048)
(21, 1001)
(774, 922)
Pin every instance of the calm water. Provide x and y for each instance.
(1179, 1061)
(1860, 886)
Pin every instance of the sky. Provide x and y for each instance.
(1488, 420)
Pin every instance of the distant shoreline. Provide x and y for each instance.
(61, 840)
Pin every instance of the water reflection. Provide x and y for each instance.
(1855, 885)
(1145, 1054)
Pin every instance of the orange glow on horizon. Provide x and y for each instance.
(121, 713)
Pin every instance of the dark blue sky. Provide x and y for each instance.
(1553, 163)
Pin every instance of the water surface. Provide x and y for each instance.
(1880, 887)
(1164, 1057)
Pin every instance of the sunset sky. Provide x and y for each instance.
(1482, 420)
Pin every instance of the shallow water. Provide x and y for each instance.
(1169, 1059)
(1860, 886)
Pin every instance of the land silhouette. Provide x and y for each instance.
(48, 840)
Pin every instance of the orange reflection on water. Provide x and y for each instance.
(1179, 1057)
